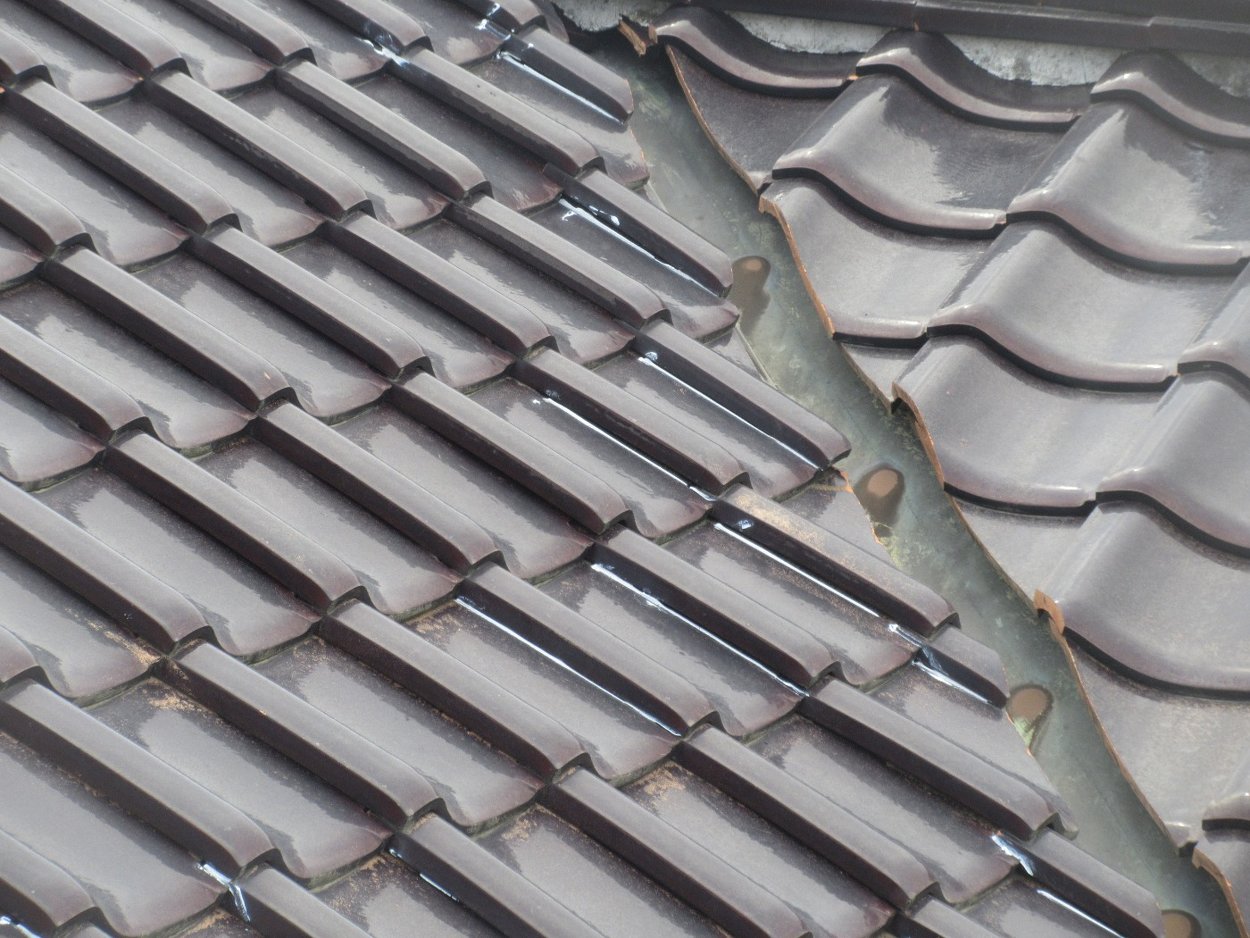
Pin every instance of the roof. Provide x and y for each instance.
(1052, 280)
(396, 537)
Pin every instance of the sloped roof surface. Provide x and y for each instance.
(1053, 280)
(395, 539)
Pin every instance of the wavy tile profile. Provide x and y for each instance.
(892, 150)
(1052, 280)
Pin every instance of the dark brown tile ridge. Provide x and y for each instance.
(1170, 87)
(959, 774)
(160, 322)
(37, 892)
(591, 277)
(752, 400)
(532, 737)
(97, 573)
(49, 375)
(124, 38)
(270, 37)
(499, 318)
(358, 768)
(778, 644)
(870, 857)
(133, 778)
(548, 474)
(1092, 887)
(573, 69)
(652, 228)
(418, 151)
(373, 339)
(954, 653)
(590, 650)
(505, 114)
(938, 66)
(725, 47)
(18, 61)
(324, 187)
(307, 569)
(493, 890)
(653, 432)
(376, 21)
(182, 196)
(835, 560)
(38, 219)
(372, 484)
(278, 906)
(697, 876)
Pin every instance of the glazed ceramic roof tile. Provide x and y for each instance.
(397, 536)
(1073, 358)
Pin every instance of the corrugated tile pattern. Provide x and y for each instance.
(1054, 280)
(385, 552)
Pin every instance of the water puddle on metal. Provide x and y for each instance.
(890, 472)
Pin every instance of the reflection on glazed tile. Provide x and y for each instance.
(516, 176)
(399, 576)
(185, 411)
(1046, 300)
(892, 150)
(83, 653)
(583, 331)
(745, 696)
(618, 738)
(214, 58)
(534, 538)
(124, 228)
(400, 198)
(79, 68)
(1128, 181)
(36, 443)
(889, 283)
(391, 901)
(829, 902)
(247, 611)
(954, 845)
(269, 212)
(316, 829)
(477, 782)
(748, 127)
(139, 880)
(459, 355)
(608, 893)
(982, 419)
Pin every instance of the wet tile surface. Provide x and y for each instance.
(399, 536)
(1074, 362)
